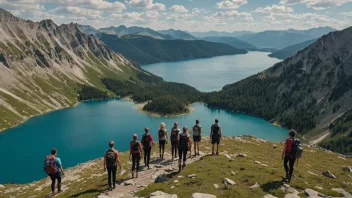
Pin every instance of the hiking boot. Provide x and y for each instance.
(114, 187)
(148, 167)
(132, 174)
(136, 174)
(110, 189)
(183, 166)
(179, 167)
(59, 191)
(217, 153)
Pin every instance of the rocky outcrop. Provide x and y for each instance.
(329, 174)
(202, 195)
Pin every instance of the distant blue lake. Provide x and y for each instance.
(212, 74)
(83, 132)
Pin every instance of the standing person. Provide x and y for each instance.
(174, 137)
(215, 135)
(288, 156)
(184, 145)
(163, 138)
(197, 132)
(135, 152)
(53, 167)
(111, 160)
(147, 142)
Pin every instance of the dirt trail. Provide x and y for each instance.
(147, 176)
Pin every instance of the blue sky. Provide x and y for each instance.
(191, 15)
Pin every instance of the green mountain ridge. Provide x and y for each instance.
(146, 50)
(232, 41)
(291, 50)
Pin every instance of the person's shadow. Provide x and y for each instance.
(270, 186)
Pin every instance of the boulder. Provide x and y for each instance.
(191, 176)
(347, 169)
(274, 146)
(313, 193)
(129, 183)
(2, 186)
(180, 176)
(159, 194)
(329, 174)
(269, 196)
(216, 186)
(227, 156)
(228, 181)
(241, 155)
(103, 196)
(257, 162)
(291, 196)
(202, 195)
(176, 181)
(256, 185)
(342, 191)
(233, 173)
(161, 179)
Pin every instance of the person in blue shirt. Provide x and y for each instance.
(56, 172)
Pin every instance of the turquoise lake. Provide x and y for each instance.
(211, 74)
(83, 132)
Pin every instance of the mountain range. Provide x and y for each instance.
(147, 50)
(283, 38)
(291, 50)
(220, 34)
(43, 65)
(232, 41)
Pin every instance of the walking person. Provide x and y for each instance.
(147, 142)
(215, 135)
(197, 132)
(135, 153)
(163, 138)
(111, 160)
(289, 154)
(53, 167)
(174, 138)
(184, 145)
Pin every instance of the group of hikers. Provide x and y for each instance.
(181, 144)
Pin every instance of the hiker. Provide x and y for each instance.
(147, 142)
(289, 154)
(135, 152)
(215, 135)
(184, 145)
(197, 132)
(111, 160)
(163, 138)
(174, 137)
(53, 167)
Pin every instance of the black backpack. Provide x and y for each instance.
(146, 141)
(216, 130)
(161, 133)
(297, 149)
(135, 146)
(174, 134)
(110, 158)
(183, 141)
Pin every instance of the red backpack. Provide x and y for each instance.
(49, 165)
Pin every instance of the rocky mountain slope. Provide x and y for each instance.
(123, 30)
(283, 38)
(251, 167)
(291, 50)
(42, 65)
(220, 34)
(146, 50)
(305, 92)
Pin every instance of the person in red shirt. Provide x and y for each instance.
(289, 159)
(147, 142)
(135, 152)
(111, 160)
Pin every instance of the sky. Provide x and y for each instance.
(190, 15)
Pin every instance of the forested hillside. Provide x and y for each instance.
(146, 50)
(291, 50)
(232, 41)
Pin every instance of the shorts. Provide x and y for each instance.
(162, 142)
(215, 140)
(197, 138)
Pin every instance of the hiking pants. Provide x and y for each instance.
(174, 149)
(147, 155)
(54, 177)
(162, 147)
(112, 172)
(289, 162)
(182, 154)
(135, 161)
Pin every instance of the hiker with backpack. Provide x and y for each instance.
(135, 153)
(53, 167)
(147, 142)
(163, 138)
(111, 160)
(197, 132)
(174, 138)
(215, 135)
(291, 152)
(184, 145)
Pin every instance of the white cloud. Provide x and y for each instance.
(316, 4)
(146, 4)
(102, 5)
(348, 14)
(231, 4)
(178, 8)
(269, 18)
(231, 14)
(77, 12)
(274, 9)
(21, 5)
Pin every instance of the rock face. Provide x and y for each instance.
(40, 62)
(329, 174)
(229, 182)
(202, 195)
